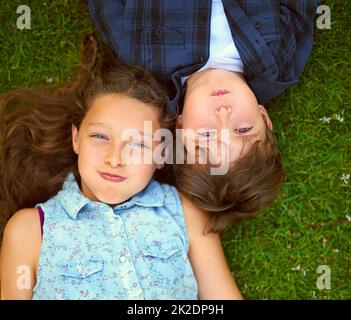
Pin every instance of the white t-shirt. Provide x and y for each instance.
(223, 53)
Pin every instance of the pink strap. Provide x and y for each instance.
(41, 216)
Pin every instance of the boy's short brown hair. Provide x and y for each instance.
(250, 185)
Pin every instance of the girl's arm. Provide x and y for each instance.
(207, 258)
(19, 255)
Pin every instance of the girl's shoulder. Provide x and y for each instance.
(197, 220)
(20, 251)
(195, 217)
(23, 223)
(164, 192)
(22, 234)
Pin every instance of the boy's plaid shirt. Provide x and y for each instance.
(171, 38)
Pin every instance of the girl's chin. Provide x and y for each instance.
(110, 201)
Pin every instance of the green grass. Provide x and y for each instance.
(307, 225)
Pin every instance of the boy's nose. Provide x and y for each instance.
(223, 113)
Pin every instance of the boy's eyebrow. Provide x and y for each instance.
(245, 137)
(249, 136)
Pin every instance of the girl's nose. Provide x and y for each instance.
(113, 158)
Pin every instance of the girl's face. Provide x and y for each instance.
(104, 156)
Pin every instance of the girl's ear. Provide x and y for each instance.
(179, 122)
(160, 166)
(75, 139)
(164, 157)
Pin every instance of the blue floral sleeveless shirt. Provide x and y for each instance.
(136, 250)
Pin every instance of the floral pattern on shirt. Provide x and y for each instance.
(136, 250)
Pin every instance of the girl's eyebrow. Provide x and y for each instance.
(99, 124)
(145, 134)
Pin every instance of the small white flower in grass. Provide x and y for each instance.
(325, 119)
(348, 218)
(297, 268)
(345, 178)
(314, 297)
(336, 250)
(49, 79)
(339, 117)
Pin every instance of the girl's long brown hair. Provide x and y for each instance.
(35, 126)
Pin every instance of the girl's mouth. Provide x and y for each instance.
(111, 177)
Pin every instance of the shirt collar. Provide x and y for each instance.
(151, 196)
(74, 201)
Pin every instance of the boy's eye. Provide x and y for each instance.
(99, 136)
(243, 130)
(206, 134)
(138, 144)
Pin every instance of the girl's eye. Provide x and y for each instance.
(99, 136)
(243, 130)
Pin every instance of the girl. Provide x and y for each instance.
(96, 226)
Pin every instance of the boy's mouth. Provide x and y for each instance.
(220, 92)
(111, 177)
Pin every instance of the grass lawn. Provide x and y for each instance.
(276, 255)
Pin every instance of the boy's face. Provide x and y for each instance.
(220, 99)
(105, 174)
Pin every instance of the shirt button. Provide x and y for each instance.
(199, 58)
(158, 33)
(122, 259)
(258, 24)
